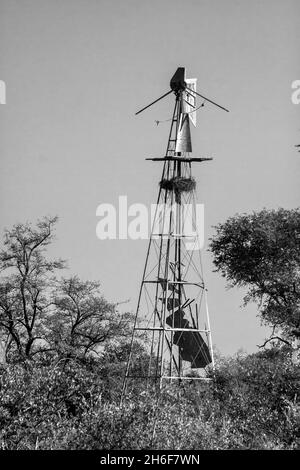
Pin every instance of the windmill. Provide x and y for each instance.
(172, 316)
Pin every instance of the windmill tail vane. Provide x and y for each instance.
(172, 317)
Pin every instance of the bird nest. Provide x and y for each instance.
(179, 185)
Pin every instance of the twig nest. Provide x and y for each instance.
(179, 185)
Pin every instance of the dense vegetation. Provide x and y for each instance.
(252, 403)
(65, 349)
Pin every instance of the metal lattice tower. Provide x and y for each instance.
(172, 316)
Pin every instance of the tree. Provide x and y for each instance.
(83, 320)
(261, 252)
(25, 289)
(41, 314)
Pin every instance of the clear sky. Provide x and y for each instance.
(77, 70)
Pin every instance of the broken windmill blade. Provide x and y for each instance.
(190, 100)
(172, 311)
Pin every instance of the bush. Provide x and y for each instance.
(251, 403)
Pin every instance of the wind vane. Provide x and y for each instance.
(185, 88)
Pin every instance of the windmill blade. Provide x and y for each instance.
(153, 102)
(190, 100)
(207, 99)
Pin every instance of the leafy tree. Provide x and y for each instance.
(261, 252)
(83, 320)
(41, 314)
(25, 287)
